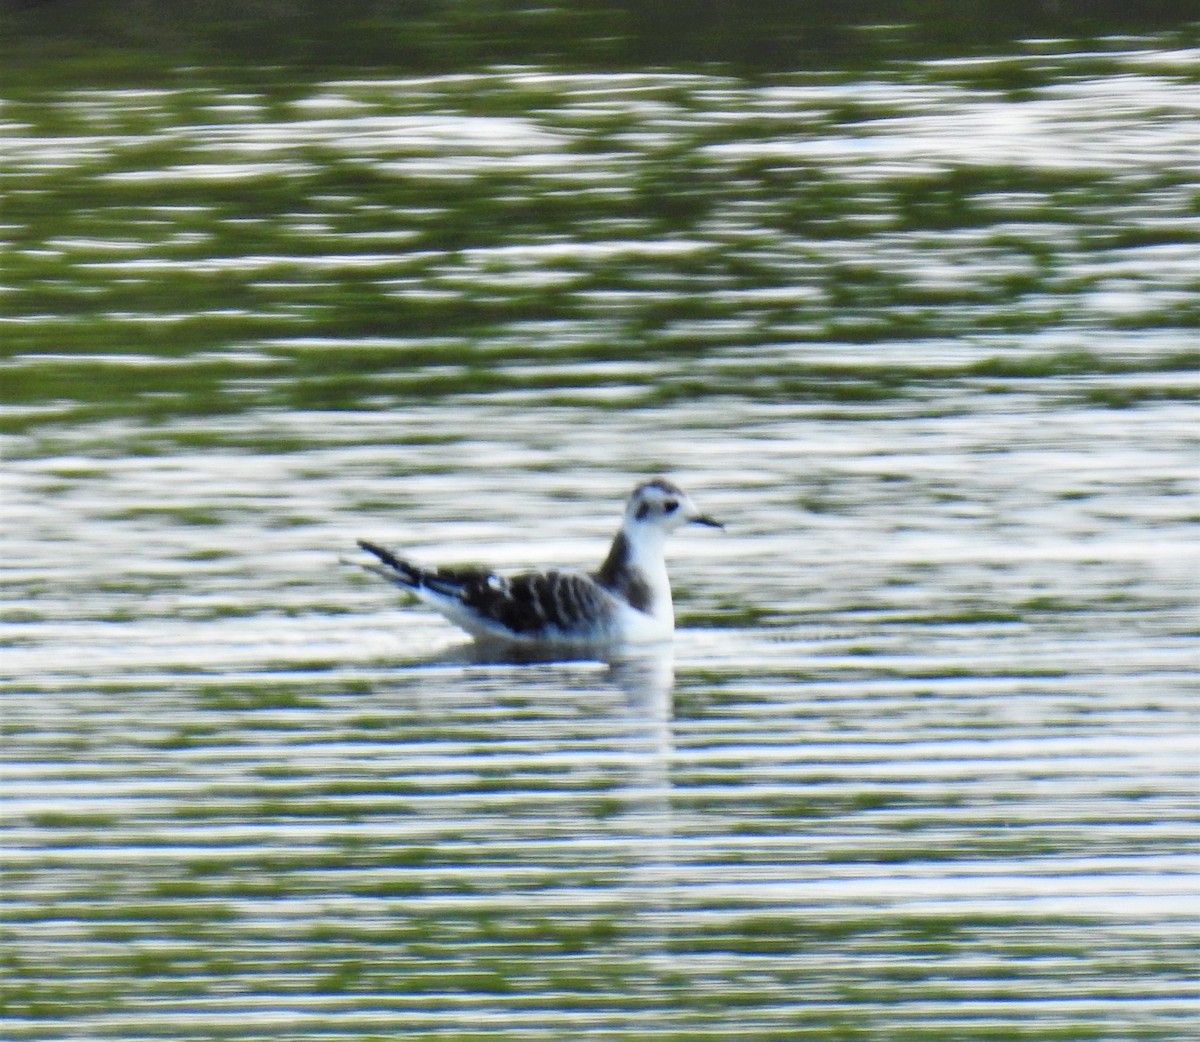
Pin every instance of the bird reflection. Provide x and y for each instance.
(641, 725)
(647, 679)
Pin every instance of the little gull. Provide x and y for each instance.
(628, 600)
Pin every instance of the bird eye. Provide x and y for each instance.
(670, 506)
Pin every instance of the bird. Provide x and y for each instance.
(627, 600)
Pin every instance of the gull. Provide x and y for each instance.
(626, 601)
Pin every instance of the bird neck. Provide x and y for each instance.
(636, 571)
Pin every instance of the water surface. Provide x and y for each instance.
(922, 758)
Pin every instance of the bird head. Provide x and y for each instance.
(663, 506)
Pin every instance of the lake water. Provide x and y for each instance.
(922, 760)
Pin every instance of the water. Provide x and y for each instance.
(922, 758)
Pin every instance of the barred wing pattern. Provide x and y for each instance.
(537, 602)
(530, 605)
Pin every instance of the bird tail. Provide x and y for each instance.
(391, 567)
(410, 576)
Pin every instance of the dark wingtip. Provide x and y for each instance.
(386, 556)
(394, 568)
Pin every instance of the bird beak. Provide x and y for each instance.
(704, 519)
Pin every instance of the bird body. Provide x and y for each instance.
(627, 600)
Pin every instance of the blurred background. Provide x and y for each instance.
(907, 294)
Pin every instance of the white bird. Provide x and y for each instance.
(627, 601)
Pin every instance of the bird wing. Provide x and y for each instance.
(526, 605)
(538, 602)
